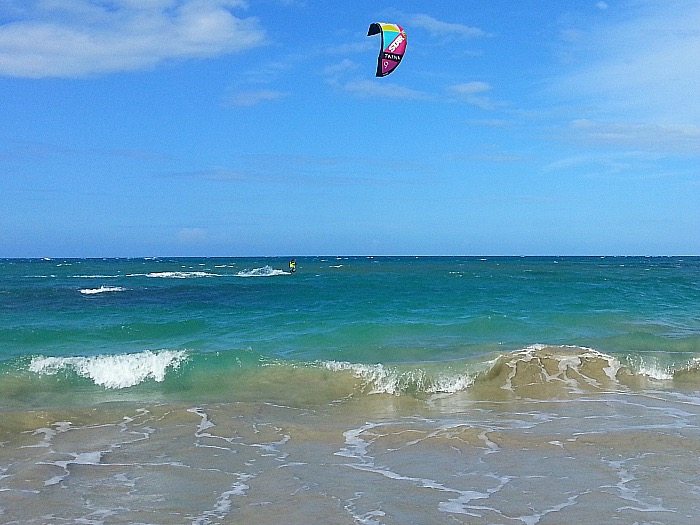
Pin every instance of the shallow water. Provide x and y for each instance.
(625, 457)
(371, 391)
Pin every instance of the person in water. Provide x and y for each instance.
(293, 265)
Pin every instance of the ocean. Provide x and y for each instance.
(356, 390)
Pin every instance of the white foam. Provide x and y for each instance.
(356, 446)
(49, 434)
(205, 423)
(384, 380)
(565, 363)
(176, 275)
(655, 371)
(265, 271)
(448, 384)
(223, 504)
(96, 276)
(380, 379)
(114, 371)
(533, 519)
(83, 458)
(102, 289)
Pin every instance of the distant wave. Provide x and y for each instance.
(96, 276)
(101, 289)
(265, 271)
(175, 275)
(113, 371)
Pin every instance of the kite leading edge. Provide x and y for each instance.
(393, 46)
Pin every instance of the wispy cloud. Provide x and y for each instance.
(369, 88)
(192, 235)
(645, 67)
(444, 29)
(85, 37)
(344, 66)
(293, 170)
(474, 93)
(676, 138)
(21, 150)
(637, 164)
(253, 98)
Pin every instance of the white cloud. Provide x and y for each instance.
(644, 68)
(471, 88)
(676, 138)
(440, 28)
(474, 93)
(192, 235)
(253, 98)
(84, 37)
(373, 88)
(339, 68)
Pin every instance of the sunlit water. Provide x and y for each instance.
(356, 390)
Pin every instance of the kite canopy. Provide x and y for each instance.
(393, 46)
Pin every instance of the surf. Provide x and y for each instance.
(102, 289)
(533, 372)
(113, 371)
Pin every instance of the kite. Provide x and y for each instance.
(393, 46)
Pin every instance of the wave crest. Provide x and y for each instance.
(265, 271)
(381, 379)
(541, 371)
(178, 275)
(101, 289)
(113, 371)
(688, 375)
(536, 372)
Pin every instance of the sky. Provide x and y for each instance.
(141, 128)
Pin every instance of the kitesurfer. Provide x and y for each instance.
(293, 265)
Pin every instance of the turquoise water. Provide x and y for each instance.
(204, 315)
(357, 390)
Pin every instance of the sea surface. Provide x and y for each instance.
(357, 390)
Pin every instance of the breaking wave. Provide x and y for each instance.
(265, 271)
(113, 371)
(535, 372)
(175, 275)
(538, 371)
(381, 379)
(101, 289)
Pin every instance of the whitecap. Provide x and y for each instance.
(650, 368)
(381, 379)
(101, 289)
(95, 276)
(265, 271)
(180, 275)
(113, 371)
(388, 380)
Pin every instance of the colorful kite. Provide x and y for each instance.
(393, 46)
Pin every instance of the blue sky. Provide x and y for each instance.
(230, 127)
